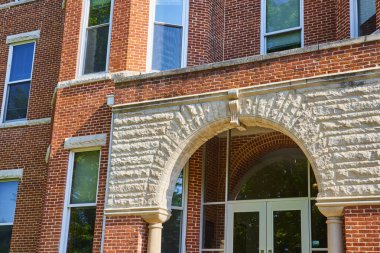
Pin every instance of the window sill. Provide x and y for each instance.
(23, 123)
(15, 3)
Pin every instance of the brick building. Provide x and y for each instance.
(190, 126)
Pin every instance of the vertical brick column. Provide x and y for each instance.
(377, 14)
(342, 13)
(125, 234)
(194, 202)
(362, 229)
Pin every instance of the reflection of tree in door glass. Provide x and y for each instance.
(246, 232)
(287, 231)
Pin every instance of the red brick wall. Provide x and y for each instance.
(194, 202)
(125, 235)
(321, 62)
(242, 34)
(25, 148)
(342, 13)
(319, 21)
(47, 17)
(362, 229)
(92, 116)
(377, 14)
(198, 35)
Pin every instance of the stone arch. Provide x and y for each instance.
(152, 144)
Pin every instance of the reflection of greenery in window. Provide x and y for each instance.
(99, 12)
(82, 206)
(177, 194)
(282, 14)
(287, 231)
(246, 232)
(172, 229)
(81, 232)
(283, 178)
(85, 177)
(171, 236)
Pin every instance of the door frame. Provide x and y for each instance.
(265, 208)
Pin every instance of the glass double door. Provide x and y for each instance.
(274, 226)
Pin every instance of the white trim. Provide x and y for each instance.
(83, 40)
(185, 29)
(16, 38)
(11, 174)
(7, 82)
(67, 205)
(264, 34)
(33, 122)
(85, 141)
(15, 3)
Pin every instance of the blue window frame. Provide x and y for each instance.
(8, 196)
(17, 87)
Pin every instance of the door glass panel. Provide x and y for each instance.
(246, 232)
(287, 231)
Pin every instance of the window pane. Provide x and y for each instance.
(99, 12)
(287, 231)
(96, 50)
(5, 238)
(85, 177)
(17, 103)
(288, 166)
(178, 191)
(367, 16)
(22, 60)
(8, 195)
(167, 47)
(318, 227)
(81, 230)
(247, 232)
(169, 11)
(213, 227)
(284, 41)
(171, 233)
(282, 14)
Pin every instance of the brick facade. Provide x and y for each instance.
(219, 30)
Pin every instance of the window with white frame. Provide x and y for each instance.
(174, 230)
(363, 17)
(18, 79)
(282, 25)
(95, 45)
(168, 43)
(80, 202)
(8, 196)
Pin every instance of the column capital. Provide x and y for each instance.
(331, 211)
(157, 216)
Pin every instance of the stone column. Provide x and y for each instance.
(155, 230)
(334, 227)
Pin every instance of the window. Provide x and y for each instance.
(19, 77)
(363, 17)
(80, 203)
(96, 36)
(282, 25)
(169, 32)
(173, 233)
(8, 196)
